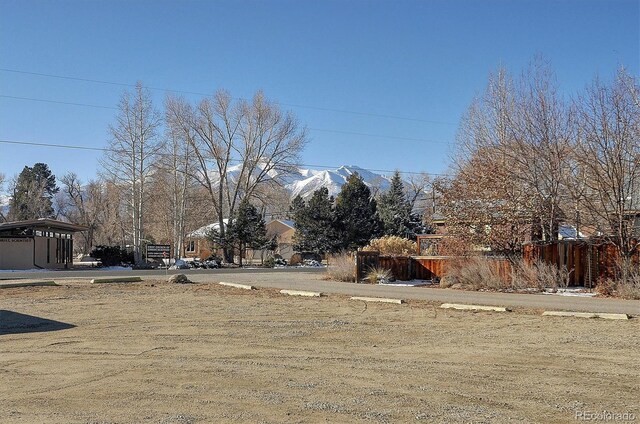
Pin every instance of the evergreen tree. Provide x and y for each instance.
(33, 193)
(247, 230)
(356, 219)
(395, 211)
(314, 223)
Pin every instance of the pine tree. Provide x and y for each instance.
(33, 193)
(395, 211)
(314, 223)
(356, 219)
(247, 230)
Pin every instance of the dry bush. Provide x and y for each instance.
(606, 287)
(479, 273)
(341, 267)
(392, 246)
(629, 289)
(538, 275)
(472, 274)
(377, 275)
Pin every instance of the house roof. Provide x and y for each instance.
(286, 222)
(43, 223)
(203, 231)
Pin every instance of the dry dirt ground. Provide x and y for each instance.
(202, 353)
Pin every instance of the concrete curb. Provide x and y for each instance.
(378, 299)
(237, 286)
(464, 307)
(584, 315)
(28, 284)
(116, 280)
(301, 293)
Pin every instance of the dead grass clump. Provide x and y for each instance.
(480, 273)
(376, 275)
(629, 289)
(538, 275)
(472, 274)
(342, 267)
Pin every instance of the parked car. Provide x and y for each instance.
(211, 263)
(179, 264)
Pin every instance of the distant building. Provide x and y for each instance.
(197, 245)
(37, 243)
(283, 230)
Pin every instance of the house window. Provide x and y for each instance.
(191, 246)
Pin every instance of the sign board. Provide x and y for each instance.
(159, 251)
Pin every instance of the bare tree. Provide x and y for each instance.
(82, 204)
(513, 162)
(174, 187)
(240, 147)
(541, 149)
(132, 151)
(2, 198)
(608, 156)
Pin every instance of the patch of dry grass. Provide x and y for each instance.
(341, 267)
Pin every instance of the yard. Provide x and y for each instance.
(160, 353)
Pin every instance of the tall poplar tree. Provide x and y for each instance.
(132, 151)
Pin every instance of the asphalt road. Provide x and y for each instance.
(311, 279)
(313, 282)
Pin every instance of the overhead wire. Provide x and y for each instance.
(294, 105)
(104, 149)
(391, 137)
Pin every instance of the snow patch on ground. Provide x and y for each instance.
(116, 268)
(411, 283)
(574, 291)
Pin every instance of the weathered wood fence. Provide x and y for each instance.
(586, 263)
(406, 268)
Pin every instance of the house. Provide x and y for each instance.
(283, 230)
(197, 245)
(38, 243)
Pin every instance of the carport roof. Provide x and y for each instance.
(43, 223)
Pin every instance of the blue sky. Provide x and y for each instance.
(423, 60)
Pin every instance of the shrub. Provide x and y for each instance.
(392, 245)
(626, 289)
(473, 273)
(270, 262)
(629, 289)
(342, 267)
(479, 273)
(538, 275)
(376, 275)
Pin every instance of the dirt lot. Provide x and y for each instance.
(161, 353)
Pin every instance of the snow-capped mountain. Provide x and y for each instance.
(333, 180)
(305, 181)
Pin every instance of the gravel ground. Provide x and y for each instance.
(199, 353)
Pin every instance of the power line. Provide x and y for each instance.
(31, 99)
(104, 149)
(422, 140)
(352, 112)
